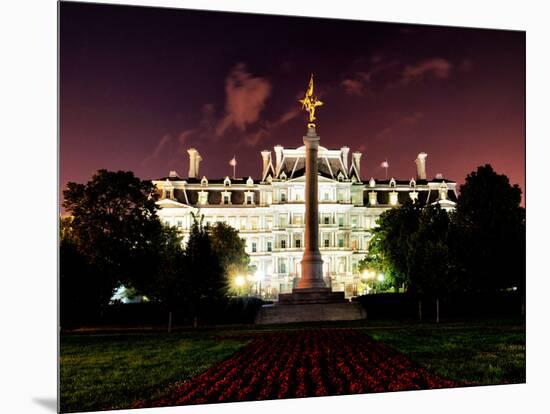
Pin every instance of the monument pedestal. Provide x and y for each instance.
(310, 312)
(311, 295)
(310, 305)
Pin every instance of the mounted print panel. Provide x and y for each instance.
(259, 207)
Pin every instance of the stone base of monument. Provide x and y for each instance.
(310, 305)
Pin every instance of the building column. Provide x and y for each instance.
(312, 263)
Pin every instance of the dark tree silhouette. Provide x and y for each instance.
(230, 249)
(490, 229)
(203, 276)
(114, 227)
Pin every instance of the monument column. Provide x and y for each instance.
(310, 300)
(312, 263)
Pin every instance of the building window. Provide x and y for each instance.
(327, 219)
(354, 221)
(340, 241)
(249, 199)
(269, 222)
(325, 196)
(283, 244)
(269, 246)
(225, 199)
(354, 244)
(282, 220)
(254, 247)
(298, 243)
(254, 223)
(243, 223)
(372, 198)
(203, 197)
(296, 218)
(340, 221)
(282, 266)
(283, 197)
(326, 241)
(179, 223)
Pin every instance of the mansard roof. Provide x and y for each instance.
(425, 196)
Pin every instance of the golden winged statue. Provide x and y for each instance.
(310, 102)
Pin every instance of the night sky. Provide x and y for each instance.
(139, 85)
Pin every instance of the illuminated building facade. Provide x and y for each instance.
(269, 211)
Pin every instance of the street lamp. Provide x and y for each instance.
(370, 276)
(258, 277)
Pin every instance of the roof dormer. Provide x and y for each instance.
(227, 182)
(204, 182)
(443, 189)
(249, 182)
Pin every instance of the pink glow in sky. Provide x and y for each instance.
(141, 85)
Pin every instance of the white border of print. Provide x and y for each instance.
(29, 210)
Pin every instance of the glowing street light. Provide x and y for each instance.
(239, 281)
(380, 277)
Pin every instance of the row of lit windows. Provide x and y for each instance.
(341, 241)
(335, 265)
(254, 222)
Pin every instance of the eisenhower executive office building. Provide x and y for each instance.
(269, 212)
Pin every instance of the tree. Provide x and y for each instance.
(230, 249)
(429, 260)
(203, 276)
(114, 227)
(82, 290)
(165, 282)
(390, 246)
(490, 246)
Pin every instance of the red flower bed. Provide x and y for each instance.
(303, 363)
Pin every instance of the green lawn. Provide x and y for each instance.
(113, 370)
(476, 353)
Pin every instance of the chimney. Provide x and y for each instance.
(193, 163)
(197, 161)
(421, 166)
(278, 156)
(357, 162)
(266, 155)
(345, 152)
